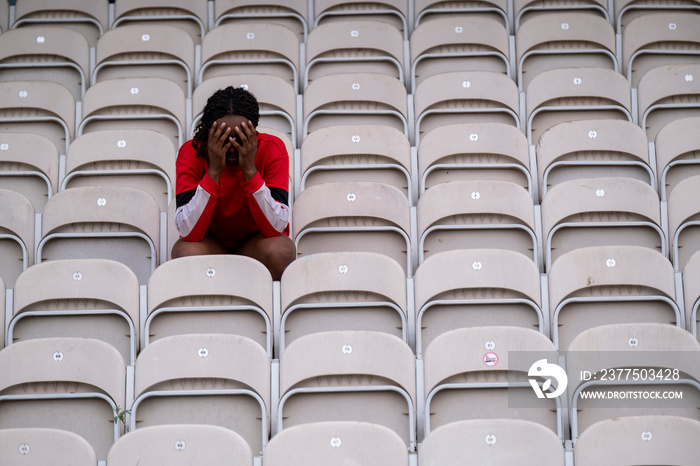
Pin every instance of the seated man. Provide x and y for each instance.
(232, 186)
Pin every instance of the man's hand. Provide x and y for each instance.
(218, 145)
(246, 148)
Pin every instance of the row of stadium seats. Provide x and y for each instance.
(361, 376)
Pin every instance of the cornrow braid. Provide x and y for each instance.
(224, 102)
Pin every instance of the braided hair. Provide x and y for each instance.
(224, 102)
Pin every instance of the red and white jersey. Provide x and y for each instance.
(233, 209)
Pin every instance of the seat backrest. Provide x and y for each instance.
(485, 440)
(37, 446)
(78, 298)
(89, 17)
(600, 285)
(683, 215)
(180, 445)
(81, 381)
(592, 148)
(41, 107)
(354, 46)
(77, 220)
(251, 48)
(189, 15)
(17, 244)
(474, 373)
(293, 14)
(476, 214)
(146, 50)
(561, 40)
(184, 379)
(638, 439)
(349, 376)
(207, 294)
(465, 97)
(136, 103)
(353, 216)
(667, 93)
(357, 153)
(343, 291)
(459, 43)
(658, 39)
(473, 151)
(46, 53)
(394, 12)
(428, 10)
(475, 287)
(340, 442)
(29, 165)
(677, 148)
(600, 211)
(140, 158)
(355, 98)
(691, 293)
(568, 94)
(524, 10)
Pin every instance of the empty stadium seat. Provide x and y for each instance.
(17, 234)
(72, 384)
(461, 43)
(524, 10)
(109, 222)
(349, 376)
(601, 285)
(29, 165)
(355, 98)
(210, 294)
(600, 211)
(4, 298)
(136, 103)
(354, 46)
(189, 15)
(465, 97)
(38, 446)
(503, 441)
(475, 288)
(671, 353)
(276, 98)
(146, 50)
(468, 375)
(427, 10)
(212, 379)
(353, 216)
(394, 12)
(627, 10)
(251, 48)
(42, 107)
(659, 39)
(78, 298)
(476, 214)
(691, 293)
(293, 13)
(639, 439)
(677, 147)
(180, 445)
(139, 158)
(357, 153)
(46, 53)
(341, 442)
(590, 149)
(568, 94)
(487, 151)
(563, 39)
(342, 291)
(89, 17)
(667, 93)
(684, 235)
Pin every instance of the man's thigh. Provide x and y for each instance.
(208, 245)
